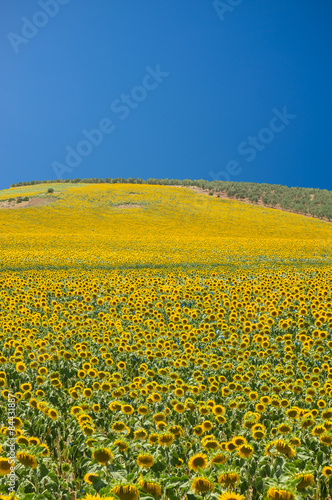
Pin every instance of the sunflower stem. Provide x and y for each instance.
(36, 482)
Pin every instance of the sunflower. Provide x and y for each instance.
(16, 422)
(89, 477)
(143, 410)
(126, 492)
(127, 409)
(327, 471)
(218, 410)
(295, 441)
(53, 414)
(198, 430)
(284, 429)
(318, 430)
(326, 439)
(145, 461)
(140, 434)
(207, 425)
(90, 442)
(153, 438)
(306, 480)
(211, 444)
(103, 455)
(34, 441)
(20, 367)
(220, 458)
(46, 451)
(176, 430)
(22, 440)
(292, 413)
(198, 461)
(275, 494)
(5, 465)
(118, 426)
(230, 495)
(88, 430)
(75, 410)
(229, 479)
(150, 487)
(26, 459)
(327, 414)
(230, 446)
(245, 451)
(258, 435)
(239, 440)
(166, 439)
(202, 485)
(161, 426)
(121, 445)
(159, 417)
(179, 408)
(96, 497)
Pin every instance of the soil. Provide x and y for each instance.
(128, 205)
(32, 202)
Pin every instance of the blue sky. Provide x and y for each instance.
(233, 90)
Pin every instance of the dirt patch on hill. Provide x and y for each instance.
(32, 202)
(128, 205)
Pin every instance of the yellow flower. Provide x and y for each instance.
(326, 439)
(229, 479)
(5, 465)
(53, 414)
(122, 445)
(126, 492)
(202, 485)
(230, 495)
(327, 471)
(89, 477)
(22, 440)
(150, 487)
(145, 461)
(153, 438)
(306, 480)
(284, 429)
(119, 426)
(198, 430)
(245, 451)
(46, 450)
(127, 409)
(279, 494)
(239, 440)
(327, 414)
(166, 439)
(103, 455)
(318, 430)
(198, 461)
(34, 441)
(218, 459)
(26, 459)
(140, 434)
(20, 367)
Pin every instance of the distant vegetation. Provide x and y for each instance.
(307, 201)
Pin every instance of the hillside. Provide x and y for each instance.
(305, 201)
(116, 224)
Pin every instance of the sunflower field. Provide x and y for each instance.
(157, 343)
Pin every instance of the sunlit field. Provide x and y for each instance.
(157, 343)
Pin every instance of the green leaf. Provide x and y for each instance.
(43, 471)
(259, 483)
(98, 483)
